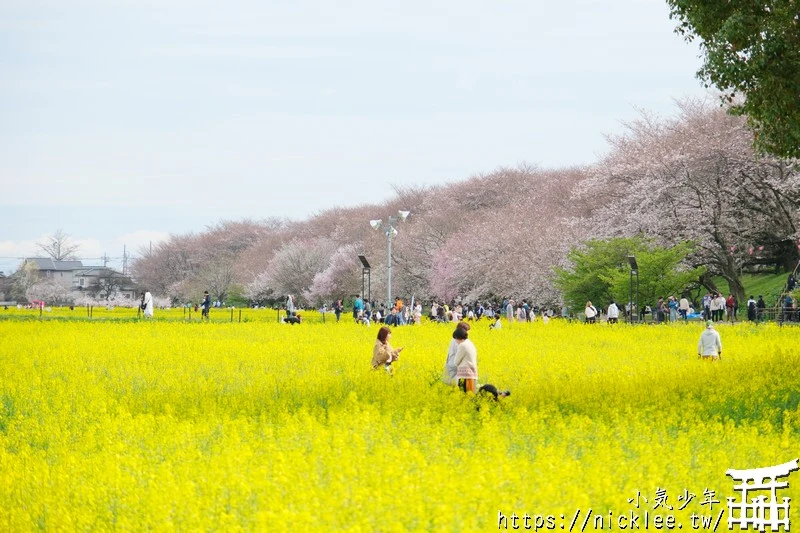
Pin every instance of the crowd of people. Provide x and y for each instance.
(713, 306)
(401, 314)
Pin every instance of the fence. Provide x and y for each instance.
(179, 314)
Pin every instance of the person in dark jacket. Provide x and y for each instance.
(206, 305)
(761, 306)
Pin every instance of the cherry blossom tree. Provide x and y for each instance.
(340, 279)
(50, 291)
(513, 259)
(696, 178)
(260, 288)
(163, 269)
(519, 225)
(294, 266)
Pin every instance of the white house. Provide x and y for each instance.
(95, 280)
(59, 271)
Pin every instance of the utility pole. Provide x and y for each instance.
(124, 260)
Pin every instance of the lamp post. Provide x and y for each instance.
(366, 278)
(634, 271)
(390, 231)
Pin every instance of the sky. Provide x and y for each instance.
(125, 121)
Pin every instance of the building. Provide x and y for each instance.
(59, 271)
(94, 281)
(103, 282)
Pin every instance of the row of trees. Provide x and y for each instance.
(693, 178)
(468, 239)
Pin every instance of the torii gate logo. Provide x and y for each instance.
(760, 512)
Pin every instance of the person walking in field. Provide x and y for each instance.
(206, 305)
(613, 313)
(590, 312)
(466, 361)
(147, 304)
(710, 346)
(450, 367)
(382, 353)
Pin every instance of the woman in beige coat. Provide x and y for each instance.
(382, 352)
(466, 361)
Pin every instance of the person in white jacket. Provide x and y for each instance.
(710, 345)
(683, 308)
(450, 366)
(613, 313)
(466, 361)
(147, 304)
(590, 312)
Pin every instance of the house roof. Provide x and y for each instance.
(126, 283)
(97, 271)
(45, 263)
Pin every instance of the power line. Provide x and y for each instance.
(101, 258)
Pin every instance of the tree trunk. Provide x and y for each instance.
(707, 282)
(788, 255)
(731, 274)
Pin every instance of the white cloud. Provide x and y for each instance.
(17, 249)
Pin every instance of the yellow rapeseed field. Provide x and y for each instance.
(166, 424)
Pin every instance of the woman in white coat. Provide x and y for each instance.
(590, 312)
(466, 361)
(147, 304)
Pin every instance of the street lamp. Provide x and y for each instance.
(366, 278)
(634, 271)
(390, 231)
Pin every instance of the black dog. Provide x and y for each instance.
(491, 389)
